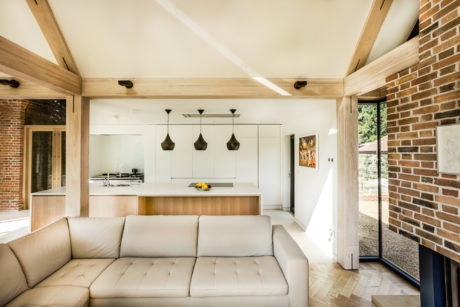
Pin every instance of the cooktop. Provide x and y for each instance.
(215, 184)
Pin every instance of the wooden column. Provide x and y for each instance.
(347, 174)
(77, 156)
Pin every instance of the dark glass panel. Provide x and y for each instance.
(63, 139)
(42, 164)
(45, 112)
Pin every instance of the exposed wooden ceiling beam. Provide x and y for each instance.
(21, 63)
(27, 90)
(374, 21)
(209, 88)
(376, 94)
(47, 22)
(373, 75)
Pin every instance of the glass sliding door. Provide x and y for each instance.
(377, 241)
(368, 181)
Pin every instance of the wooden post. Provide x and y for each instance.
(347, 180)
(77, 156)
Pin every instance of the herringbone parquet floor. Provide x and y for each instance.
(332, 286)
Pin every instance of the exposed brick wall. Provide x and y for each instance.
(11, 154)
(424, 205)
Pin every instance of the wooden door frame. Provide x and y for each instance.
(56, 153)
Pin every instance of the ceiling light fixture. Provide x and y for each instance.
(200, 143)
(233, 143)
(167, 144)
(126, 83)
(12, 83)
(299, 84)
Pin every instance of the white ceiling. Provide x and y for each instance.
(398, 24)
(151, 111)
(208, 38)
(19, 26)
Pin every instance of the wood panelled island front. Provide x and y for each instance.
(151, 199)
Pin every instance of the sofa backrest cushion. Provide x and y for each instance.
(235, 236)
(43, 251)
(12, 279)
(159, 236)
(96, 237)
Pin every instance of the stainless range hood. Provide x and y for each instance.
(210, 115)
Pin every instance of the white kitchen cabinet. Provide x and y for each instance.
(247, 155)
(216, 161)
(270, 165)
(162, 158)
(258, 159)
(224, 159)
(203, 160)
(182, 155)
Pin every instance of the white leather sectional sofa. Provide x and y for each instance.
(155, 261)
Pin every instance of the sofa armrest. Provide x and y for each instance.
(294, 265)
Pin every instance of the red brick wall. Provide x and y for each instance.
(11, 154)
(424, 205)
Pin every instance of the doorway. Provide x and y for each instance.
(292, 173)
(44, 157)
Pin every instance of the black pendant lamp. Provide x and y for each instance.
(167, 144)
(233, 143)
(200, 143)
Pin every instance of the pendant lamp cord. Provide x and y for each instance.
(233, 122)
(168, 123)
(200, 123)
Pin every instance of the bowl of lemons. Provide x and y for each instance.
(202, 186)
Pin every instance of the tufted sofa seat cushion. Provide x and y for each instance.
(145, 277)
(77, 272)
(222, 276)
(53, 296)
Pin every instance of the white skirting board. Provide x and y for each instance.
(273, 207)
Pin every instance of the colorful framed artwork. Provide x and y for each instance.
(308, 151)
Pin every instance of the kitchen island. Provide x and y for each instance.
(151, 199)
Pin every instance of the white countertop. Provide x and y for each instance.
(162, 189)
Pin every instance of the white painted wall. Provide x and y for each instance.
(118, 153)
(315, 189)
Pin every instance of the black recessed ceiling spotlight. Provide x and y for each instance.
(12, 83)
(299, 84)
(167, 144)
(126, 83)
(200, 143)
(233, 143)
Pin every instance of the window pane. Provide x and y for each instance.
(42, 166)
(63, 139)
(45, 112)
(368, 181)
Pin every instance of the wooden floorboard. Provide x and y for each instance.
(332, 286)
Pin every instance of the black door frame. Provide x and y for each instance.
(380, 257)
